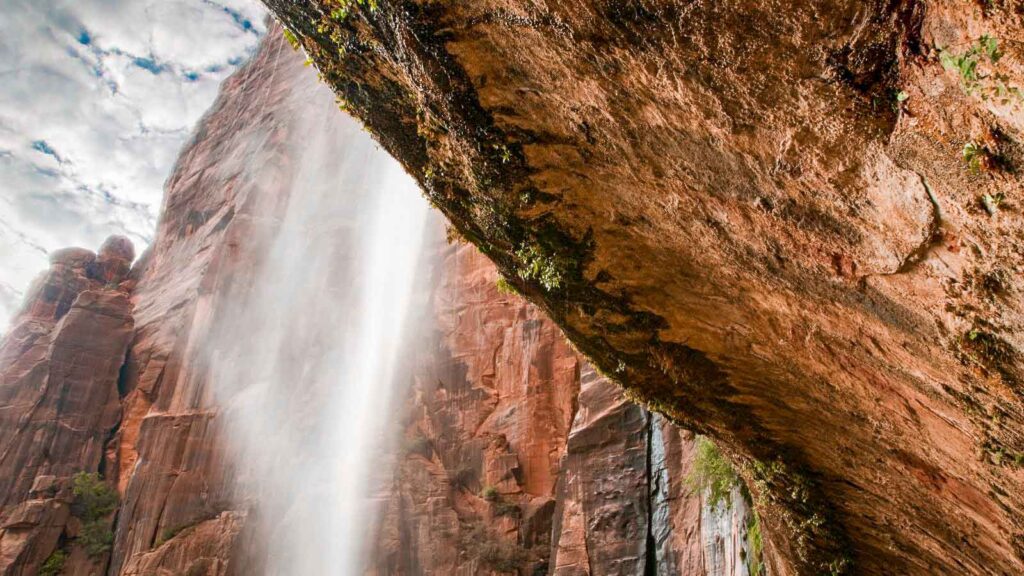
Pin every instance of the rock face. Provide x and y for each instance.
(59, 402)
(516, 455)
(793, 226)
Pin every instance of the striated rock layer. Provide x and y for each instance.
(518, 456)
(515, 457)
(59, 401)
(792, 225)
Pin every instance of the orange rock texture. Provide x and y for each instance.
(59, 402)
(515, 455)
(791, 225)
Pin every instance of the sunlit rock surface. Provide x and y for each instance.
(59, 402)
(768, 218)
(513, 454)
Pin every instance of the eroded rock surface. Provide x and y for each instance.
(59, 367)
(516, 456)
(768, 219)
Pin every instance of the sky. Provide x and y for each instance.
(97, 97)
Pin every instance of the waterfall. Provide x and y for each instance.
(304, 361)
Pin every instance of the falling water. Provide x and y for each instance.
(304, 362)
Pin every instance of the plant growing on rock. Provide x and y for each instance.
(755, 545)
(976, 68)
(342, 8)
(711, 473)
(491, 551)
(978, 157)
(505, 287)
(54, 565)
(289, 36)
(505, 508)
(94, 502)
(539, 266)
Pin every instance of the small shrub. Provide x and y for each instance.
(451, 235)
(536, 265)
(988, 346)
(711, 473)
(94, 499)
(491, 551)
(94, 502)
(96, 538)
(489, 493)
(503, 508)
(54, 565)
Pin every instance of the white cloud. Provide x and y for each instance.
(96, 99)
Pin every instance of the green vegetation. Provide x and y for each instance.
(96, 537)
(54, 565)
(714, 475)
(989, 348)
(984, 52)
(503, 152)
(505, 508)
(491, 551)
(792, 494)
(93, 497)
(965, 64)
(897, 98)
(342, 8)
(711, 473)
(170, 533)
(537, 265)
(500, 506)
(505, 287)
(489, 493)
(94, 502)
(978, 157)
(290, 37)
(755, 545)
(991, 202)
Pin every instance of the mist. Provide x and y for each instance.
(304, 360)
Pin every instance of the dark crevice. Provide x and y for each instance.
(651, 556)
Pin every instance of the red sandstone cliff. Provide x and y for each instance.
(516, 455)
(59, 401)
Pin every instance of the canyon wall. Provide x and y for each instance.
(791, 225)
(59, 367)
(515, 455)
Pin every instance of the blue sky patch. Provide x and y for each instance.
(149, 64)
(43, 147)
